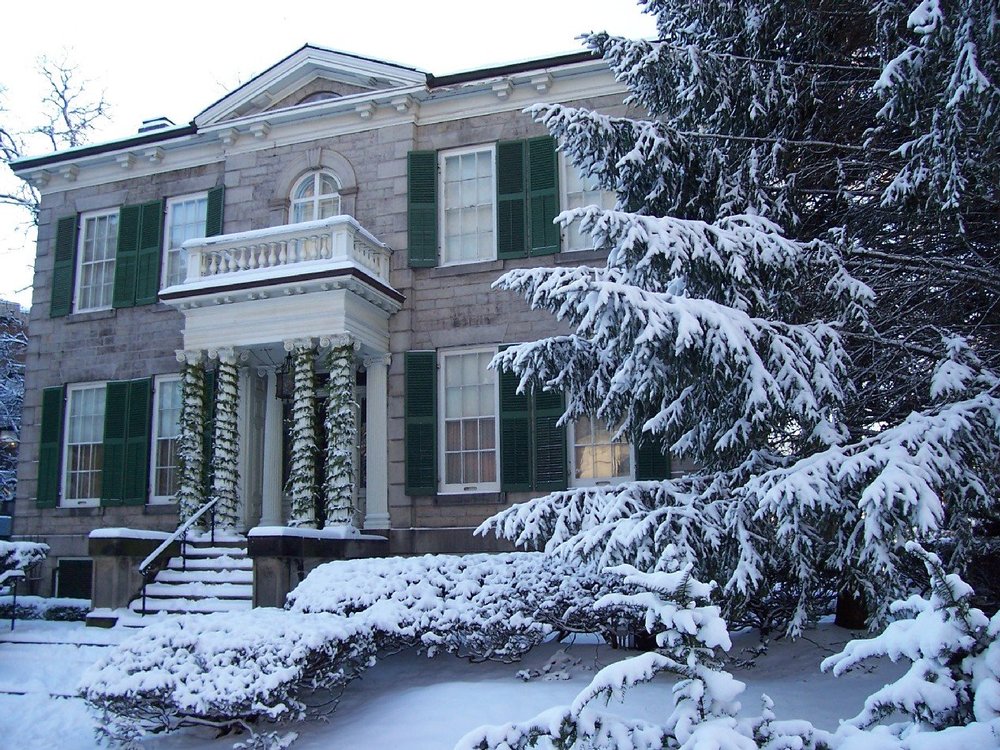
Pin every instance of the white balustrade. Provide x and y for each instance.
(337, 239)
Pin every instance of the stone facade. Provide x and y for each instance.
(257, 153)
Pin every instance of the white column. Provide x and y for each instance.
(271, 483)
(377, 514)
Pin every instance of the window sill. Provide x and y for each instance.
(578, 257)
(457, 269)
(82, 317)
(469, 498)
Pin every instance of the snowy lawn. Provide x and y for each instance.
(408, 700)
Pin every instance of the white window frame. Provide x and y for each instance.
(566, 169)
(491, 254)
(316, 198)
(79, 261)
(64, 500)
(168, 248)
(154, 437)
(594, 481)
(459, 488)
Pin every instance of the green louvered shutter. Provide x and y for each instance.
(148, 257)
(63, 267)
(208, 430)
(420, 411)
(50, 447)
(127, 256)
(213, 213)
(650, 461)
(550, 441)
(543, 195)
(421, 213)
(136, 475)
(115, 432)
(515, 435)
(511, 228)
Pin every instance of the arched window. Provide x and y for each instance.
(315, 196)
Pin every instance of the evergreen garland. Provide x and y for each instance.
(190, 446)
(341, 436)
(302, 478)
(225, 455)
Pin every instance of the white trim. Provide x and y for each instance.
(441, 157)
(87, 502)
(154, 436)
(168, 218)
(457, 488)
(78, 257)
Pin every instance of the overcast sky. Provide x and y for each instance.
(174, 59)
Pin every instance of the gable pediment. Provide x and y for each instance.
(306, 76)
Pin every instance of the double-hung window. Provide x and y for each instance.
(165, 432)
(95, 273)
(84, 446)
(469, 421)
(597, 458)
(186, 217)
(468, 215)
(579, 191)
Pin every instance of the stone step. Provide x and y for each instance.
(224, 562)
(199, 590)
(199, 551)
(183, 605)
(227, 575)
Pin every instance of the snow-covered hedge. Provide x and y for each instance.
(481, 606)
(21, 555)
(62, 609)
(229, 670)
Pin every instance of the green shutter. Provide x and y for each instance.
(115, 432)
(213, 213)
(420, 411)
(422, 208)
(63, 267)
(50, 447)
(511, 205)
(550, 441)
(148, 256)
(651, 462)
(136, 475)
(515, 435)
(127, 256)
(543, 195)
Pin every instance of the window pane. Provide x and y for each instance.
(84, 442)
(469, 430)
(467, 190)
(596, 457)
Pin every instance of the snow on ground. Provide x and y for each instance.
(408, 700)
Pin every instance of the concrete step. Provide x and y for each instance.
(180, 606)
(224, 562)
(199, 590)
(226, 575)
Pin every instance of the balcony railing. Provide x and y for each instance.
(339, 239)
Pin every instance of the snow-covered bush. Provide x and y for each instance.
(229, 670)
(60, 609)
(224, 670)
(691, 633)
(479, 606)
(21, 555)
(954, 679)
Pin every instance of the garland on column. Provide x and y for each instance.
(302, 477)
(225, 456)
(190, 453)
(341, 436)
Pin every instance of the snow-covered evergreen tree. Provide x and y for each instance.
(190, 443)
(747, 316)
(302, 476)
(225, 445)
(341, 435)
(13, 343)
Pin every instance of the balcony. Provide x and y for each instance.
(307, 279)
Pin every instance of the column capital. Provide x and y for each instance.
(338, 340)
(292, 344)
(384, 359)
(227, 355)
(189, 356)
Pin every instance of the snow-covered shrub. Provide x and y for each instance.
(480, 606)
(341, 428)
(21, 555)
(225, 670)
(954, 679)
(705, 700)
(60, 609)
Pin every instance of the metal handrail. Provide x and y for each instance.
(147, 565)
